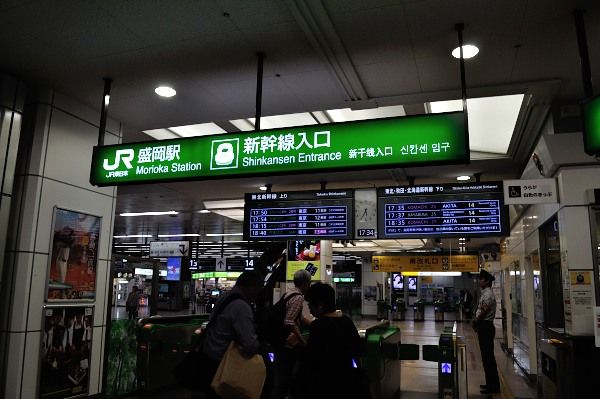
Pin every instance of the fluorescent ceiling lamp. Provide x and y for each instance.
(203, 129)
(165, 91)
(224, 204)
(161, 134)
(135, 236)
(410, 243)
(232, 213)
(463, 178)
(224, 234)
(347, 114)
(204, 211)
(244, 125)
(469, 51)
(492, 120)
(440, 274)
(288, 120)
(150, 213)
(178, 235)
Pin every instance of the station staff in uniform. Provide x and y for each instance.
(484, 326)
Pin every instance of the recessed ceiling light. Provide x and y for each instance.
(204, 211)
(165, 91)
(469, 51)
(463, 178)
(263, 188)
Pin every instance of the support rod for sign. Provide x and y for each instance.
(259, 84)
(463, 80)
(104, 111)
(584, 57)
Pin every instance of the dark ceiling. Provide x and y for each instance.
(320, 54)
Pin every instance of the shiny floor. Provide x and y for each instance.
(419, 378)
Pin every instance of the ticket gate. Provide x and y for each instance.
(451, 357)
(383, 351)
(163, 341)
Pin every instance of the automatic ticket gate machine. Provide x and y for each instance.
(450, 355)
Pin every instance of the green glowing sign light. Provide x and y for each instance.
(378, 143)
(591, 126)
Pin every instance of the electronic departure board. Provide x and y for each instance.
(326, 214)
(437, 210)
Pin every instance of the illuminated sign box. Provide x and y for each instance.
(591, 126)
(301, 215)
(439, 210)
(378, 143)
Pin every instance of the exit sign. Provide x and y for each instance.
(433, 139)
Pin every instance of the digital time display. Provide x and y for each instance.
(299, 215)
(463, 210)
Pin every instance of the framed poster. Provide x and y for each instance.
(73, 256)
(65, 351)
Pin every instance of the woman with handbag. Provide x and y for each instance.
(232, 321)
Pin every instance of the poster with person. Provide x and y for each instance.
(65, 351)
(73, 256)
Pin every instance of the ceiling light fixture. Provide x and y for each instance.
(469, 51)
(149, 213)
(204, 211)
(263, 188)
(135, 236)
(165, 91)
(463, 178)
(223, 234)
(178, 235)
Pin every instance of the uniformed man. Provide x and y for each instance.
(483, 324)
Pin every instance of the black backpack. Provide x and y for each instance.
(273, 331)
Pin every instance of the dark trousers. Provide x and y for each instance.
(284, 371)
(486, 333)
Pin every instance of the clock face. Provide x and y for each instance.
(365, 213)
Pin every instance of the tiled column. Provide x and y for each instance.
(54, 165)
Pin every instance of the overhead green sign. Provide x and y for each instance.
(377, 143)
(591, 126)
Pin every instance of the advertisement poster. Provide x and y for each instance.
(65, 351)
(73, 256)
(304, 255)
(425, 263)
(581, 302)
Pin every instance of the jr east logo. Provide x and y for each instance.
(126, 156)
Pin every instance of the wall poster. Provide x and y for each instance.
(65, 351)
(304, 255)
(73, 256)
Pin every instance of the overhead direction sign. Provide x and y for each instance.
(159, 249)
(534, 191)
(378, 143)
(425, 263)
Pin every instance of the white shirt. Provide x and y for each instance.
(488, 298)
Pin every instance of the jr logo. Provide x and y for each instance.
(121, 155)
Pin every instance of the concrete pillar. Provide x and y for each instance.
(53, 171)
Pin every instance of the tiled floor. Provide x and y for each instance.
(419, 378)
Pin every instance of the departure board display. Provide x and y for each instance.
(437, 210)
(326, 214)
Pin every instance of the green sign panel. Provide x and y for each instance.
(591, 126)
(378, 143)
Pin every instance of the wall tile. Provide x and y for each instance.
(70, 145)
(96, 359)
(16, 343)
(20, 299)
(101, 292)
(29, 209)
(38, 291)
(30, 371)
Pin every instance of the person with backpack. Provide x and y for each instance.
(289, 342)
